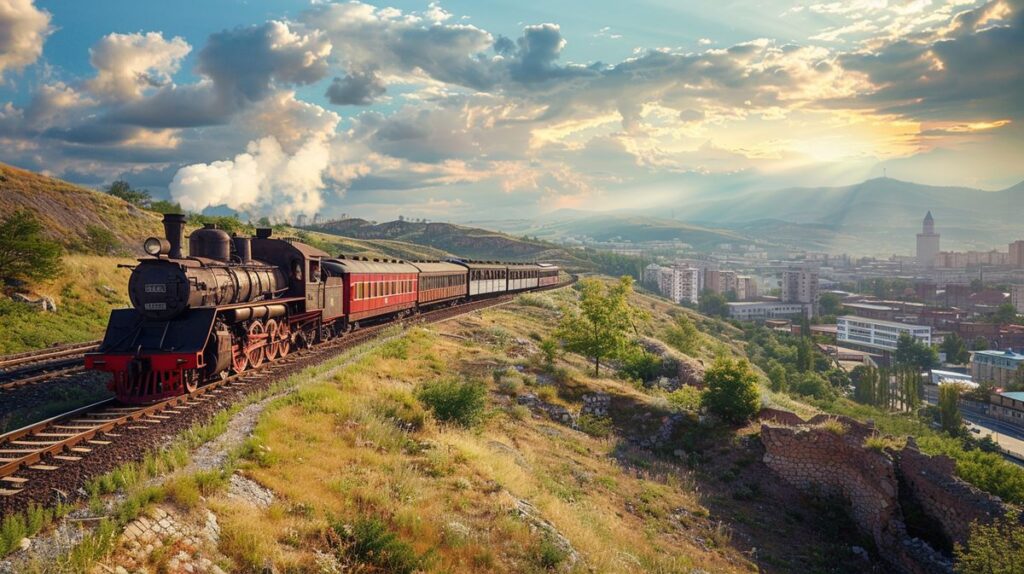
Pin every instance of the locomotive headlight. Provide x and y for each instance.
(156, 246)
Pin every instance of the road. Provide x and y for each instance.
(1007, 436)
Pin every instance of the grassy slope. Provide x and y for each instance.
(68, 210)
(335, 450)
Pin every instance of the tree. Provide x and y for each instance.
(683, 335)
(24, 252)
(731, 390)
(123, 190)
(600, 330)
(911, 352)
(1005, 314)
(955, 349)
(778, 376)
(949, 408)
(812, 384)
(804, 355)
(830, 304)
(714, 304)
(996, 548)
(979, 344)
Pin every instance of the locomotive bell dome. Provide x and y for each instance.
(210, 242)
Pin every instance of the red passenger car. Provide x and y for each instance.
(376, 289)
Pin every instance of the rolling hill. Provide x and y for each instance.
(466, 242)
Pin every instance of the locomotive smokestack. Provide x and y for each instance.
(174, 228)
(243, 249)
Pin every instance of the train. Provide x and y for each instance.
(236, 302)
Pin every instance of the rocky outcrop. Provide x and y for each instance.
(677, 370)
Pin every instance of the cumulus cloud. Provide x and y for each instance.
(127, 64)
(264, 180)
(23, 30)
(356, 89)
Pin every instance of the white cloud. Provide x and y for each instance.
(23, 30)
(128, 64)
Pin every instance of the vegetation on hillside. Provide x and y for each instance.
(25, 254)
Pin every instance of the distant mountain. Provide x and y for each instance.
(875, 208)
(635, 228)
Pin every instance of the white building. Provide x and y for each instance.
(927, 242)
(1017, 297)
(763, 310)
(876, 333)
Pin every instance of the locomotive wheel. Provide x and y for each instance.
(239, 361)
(255, 345)
(284, 340)
(271, 348)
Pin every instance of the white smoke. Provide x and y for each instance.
(263, 181)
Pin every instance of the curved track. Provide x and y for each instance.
(48, 451)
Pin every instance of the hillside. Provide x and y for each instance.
(348, 468)
(465, 242)
(609, 226)
(69, 212)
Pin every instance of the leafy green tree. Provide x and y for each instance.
(805, 355)
(912, 352)
(24, 252)
(955, 349)
(1005, 314)
(949, 408)
(830, 304)
(600, 329)
(683, 335)
(731, 390)
(123, 190)
(996, 548)
(778, 376)
(714, 304)
(979, 344)
(811, 384)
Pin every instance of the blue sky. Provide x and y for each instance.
(468, 110)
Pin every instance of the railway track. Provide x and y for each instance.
(40, 451)
(37, 366)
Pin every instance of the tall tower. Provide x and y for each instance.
(927, 243)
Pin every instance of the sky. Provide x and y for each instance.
(489, 110)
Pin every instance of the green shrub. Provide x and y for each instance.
(600, 427)
(549, 554)
(996, 548)
(402, 408)
(370, 541)
(732, 390)
(458, 402)
(101, 240)
(834, 426)
(535, 300)
(685, 398)
(639, 365)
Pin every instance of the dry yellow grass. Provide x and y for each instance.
(450, 492)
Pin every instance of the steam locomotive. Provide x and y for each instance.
(237, 302)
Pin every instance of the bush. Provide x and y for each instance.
(550, 555)
(834, 426)
(24, 252)
(100, 240)
(993, 548)
(600, 427)
(372, 542)
(731, 390)
(402, 409)
(455, 401)
(685, 398)
(639, 365)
